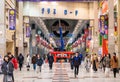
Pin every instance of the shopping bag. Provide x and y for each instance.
(9, 78)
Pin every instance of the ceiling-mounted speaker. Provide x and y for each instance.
(33, 26)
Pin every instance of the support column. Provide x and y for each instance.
(118, 21)
(111, 44)
(2, 29)
(19, 30)
(95, 28)
(34, 47)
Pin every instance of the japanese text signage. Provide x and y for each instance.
(54, 11)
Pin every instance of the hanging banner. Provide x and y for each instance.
(27, 30)
(105, 46)
(100, 40)
(12, 19)
(104, 7)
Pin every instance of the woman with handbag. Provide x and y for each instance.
(114, 64)
(28, 62)
(7, 69)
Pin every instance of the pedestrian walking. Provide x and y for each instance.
(7, 69)
(28, 62)
(71, 62)
(95, 62)
(34, 60)
(14, 62)
(87, 63)
(107, 65)
(50, 61)
(103, 62)
(39, 63)
(20, 61)
(76, 62)
(114, 64)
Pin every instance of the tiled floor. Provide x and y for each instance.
(61, 73)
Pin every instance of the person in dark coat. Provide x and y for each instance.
(11, 58)
(7, 69)
(50, 61)
(71, 62)
(114, 64)
(34, 60)
(39, 63)
(20, 60)
(76, 62)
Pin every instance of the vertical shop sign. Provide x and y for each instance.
(12, 19)
(27, 26)
(27, 30)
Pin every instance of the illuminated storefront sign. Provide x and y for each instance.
(12, 19)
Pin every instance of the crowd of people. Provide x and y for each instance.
(106, 63)
(9, 63)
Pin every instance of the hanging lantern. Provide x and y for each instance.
(87, 50)
(89, 38)
(105, 36)
(115, 33)
(106, 27)
(102, 33)
(106, 31)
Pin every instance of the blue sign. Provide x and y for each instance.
(43, 10)
(48, 10)
(76, 12)
(65, 12)
(54, 11)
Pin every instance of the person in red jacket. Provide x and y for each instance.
(13, 60)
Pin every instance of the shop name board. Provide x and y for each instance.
(54, 11)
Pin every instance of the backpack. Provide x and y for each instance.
(76, 61)
(39, 62)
